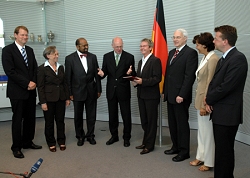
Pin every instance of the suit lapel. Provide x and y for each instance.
(178, 55)
(218, 67)
(79, 62)
(89, 63)
(16, 50)
(147, 64)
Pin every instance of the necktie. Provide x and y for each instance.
(25, 57)
(81, 55)
(174, 56)
(117, 59)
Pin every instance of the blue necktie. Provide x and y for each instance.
(25, 57)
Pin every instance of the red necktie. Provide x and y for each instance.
(81, 55)
(174, 56)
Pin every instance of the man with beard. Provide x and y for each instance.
(84, 88)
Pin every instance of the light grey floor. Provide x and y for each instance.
(100, 160)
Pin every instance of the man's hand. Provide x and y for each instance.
(44, 107)
(67, 102)
(32, 85)
(179, 99)
(98, 95)
(203, 112)
(138, 80)
(209, 109)
(100, 72)
(129, 70)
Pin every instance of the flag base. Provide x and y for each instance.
(164, 141)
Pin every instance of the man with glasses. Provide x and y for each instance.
(116, 65)
(179, 79)
(84, 88)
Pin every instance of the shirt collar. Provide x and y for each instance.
(48, 64)
(19, 46)
(146, 58)
(181, 47)
(225, 54)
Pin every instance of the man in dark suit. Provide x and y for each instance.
(179, 79)
(148, 93)
(84, 88)
(224, 99)
(21, 71)
(116, 65)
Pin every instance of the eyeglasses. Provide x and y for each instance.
(117, 47)
(176, 37)
(143, 46)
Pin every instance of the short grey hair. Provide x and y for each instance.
(49, 50)
(149, 41)
(183, 31)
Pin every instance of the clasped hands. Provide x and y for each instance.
(209, 108)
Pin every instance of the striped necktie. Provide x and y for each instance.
(25, 57)
(174, 56)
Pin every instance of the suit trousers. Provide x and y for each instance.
(125, 109)
(23, 122)
(224, 137)
(56, 111)
(178, 116)
(206, 148)
(149, 115)
(90, 106)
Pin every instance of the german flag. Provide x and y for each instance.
(160, 49)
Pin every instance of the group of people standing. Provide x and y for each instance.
(219, 94)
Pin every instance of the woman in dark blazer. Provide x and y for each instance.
(148, 93)
(53, 96)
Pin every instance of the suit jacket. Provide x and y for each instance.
(151, 77)
(19, 75)
(225, 91)
(115, 81)
(51, 87)
(204, 76)
(80, 83)
(180, 75)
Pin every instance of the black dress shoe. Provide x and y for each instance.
(179, 158)
(80, 142)
(91, 141)
(171, 152)
(126, 143)
(33, 146)
(18, 154)
(140, 147)
(112, 140)
(144, 151)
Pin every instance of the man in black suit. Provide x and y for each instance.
(224, 99)
(149, 73)
(21, 71)
(84, 88)
(179, 79)
(116, 65)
